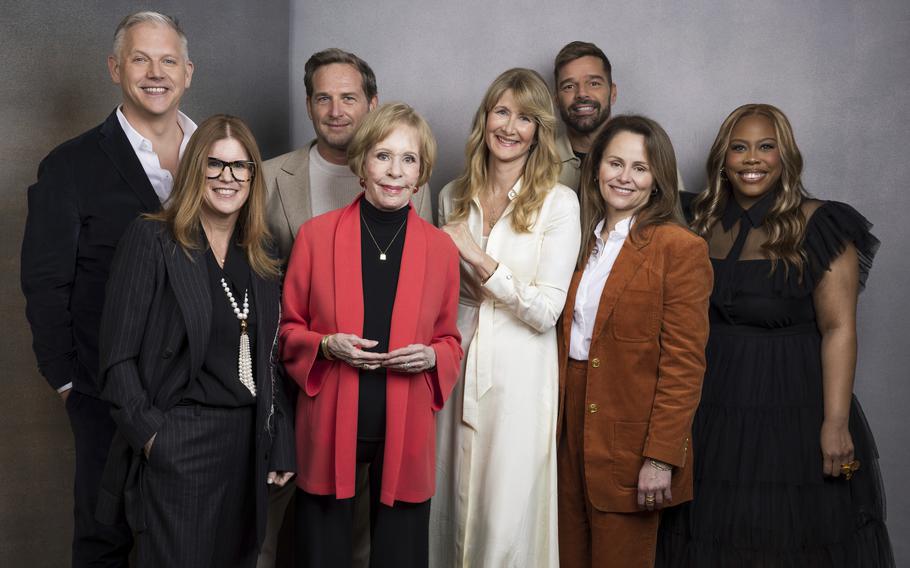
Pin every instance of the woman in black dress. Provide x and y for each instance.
(786, 470)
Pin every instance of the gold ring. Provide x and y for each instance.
(849, 468)
(649, 499)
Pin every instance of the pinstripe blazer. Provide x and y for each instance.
(155, 330)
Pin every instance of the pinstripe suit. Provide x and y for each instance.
(154, 334)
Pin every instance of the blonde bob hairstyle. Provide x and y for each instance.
(182, 210)
(785, 222)
(662, 205)
(379, 125)
(541, 168)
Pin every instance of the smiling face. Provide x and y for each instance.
(392, 168)
(338, 104)
(752, 162)
(625, 177)
(509, 132)
(225, 196)
(584, 94)
(152, 70)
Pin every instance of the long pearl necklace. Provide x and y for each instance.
(245, 361)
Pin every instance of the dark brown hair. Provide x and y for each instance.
(335, 55)
(577, 49)
(663, 204)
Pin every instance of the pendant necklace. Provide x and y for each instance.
(495, 219)
(382, 253)
(244, 361)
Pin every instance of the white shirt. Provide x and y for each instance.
(590, 288)
(162, 181)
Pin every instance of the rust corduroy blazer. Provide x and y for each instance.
(645, 366)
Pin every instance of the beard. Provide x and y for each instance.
(585, 124)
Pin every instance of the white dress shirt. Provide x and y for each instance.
(590, 288)
(162, 181)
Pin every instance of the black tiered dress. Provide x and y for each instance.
(761, 499)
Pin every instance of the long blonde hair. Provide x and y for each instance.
(785, 221)
(663, 203)
(541, 168)
(181, 213)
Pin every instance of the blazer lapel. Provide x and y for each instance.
(115, 144)
(294, 188)
(189, 278)
(569, 309)
(625, 267)
(409, 295)
(266, 303)
(405, 316)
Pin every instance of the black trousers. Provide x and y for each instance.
(399, 535)
(198, 490)
(93, 428)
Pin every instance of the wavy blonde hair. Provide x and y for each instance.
(181, 212)
(541, 168)
(663, 203)
(785, 222)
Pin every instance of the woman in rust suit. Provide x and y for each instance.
(631, 345)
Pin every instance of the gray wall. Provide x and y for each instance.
(837, 68)
(55, 86)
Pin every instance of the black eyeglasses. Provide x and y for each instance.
(241, 170)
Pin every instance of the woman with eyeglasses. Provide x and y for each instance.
(187, 334)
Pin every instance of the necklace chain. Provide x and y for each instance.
(493, 219)
(382, 253)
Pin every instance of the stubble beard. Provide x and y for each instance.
(586, 125)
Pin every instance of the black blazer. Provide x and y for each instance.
(154, 334)
(89, 190)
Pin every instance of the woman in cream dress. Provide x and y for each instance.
(518, 233)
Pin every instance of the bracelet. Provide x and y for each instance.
(324, 348)
(659, 465)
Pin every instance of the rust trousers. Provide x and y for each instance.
(589, 537)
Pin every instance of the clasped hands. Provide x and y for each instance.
(347, 347)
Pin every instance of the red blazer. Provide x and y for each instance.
(323, 294)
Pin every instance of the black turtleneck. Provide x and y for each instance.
(380, 282)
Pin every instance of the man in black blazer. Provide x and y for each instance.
(89, 190)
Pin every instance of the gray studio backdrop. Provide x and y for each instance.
(837, 68)
(55, 86)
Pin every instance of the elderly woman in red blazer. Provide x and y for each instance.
(369, 334)
(632, 352)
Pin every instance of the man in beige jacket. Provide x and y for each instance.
(341, 90)
(585, 93)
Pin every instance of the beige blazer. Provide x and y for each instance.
(287, 180)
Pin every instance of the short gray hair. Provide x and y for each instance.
(152, 18)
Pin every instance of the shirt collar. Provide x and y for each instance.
(564, 149)
(621, 230)
(141, 143)
(755, 214)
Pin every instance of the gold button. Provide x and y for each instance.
(592, 408)
(595, 362)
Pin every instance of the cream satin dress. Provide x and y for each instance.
(495, 502)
